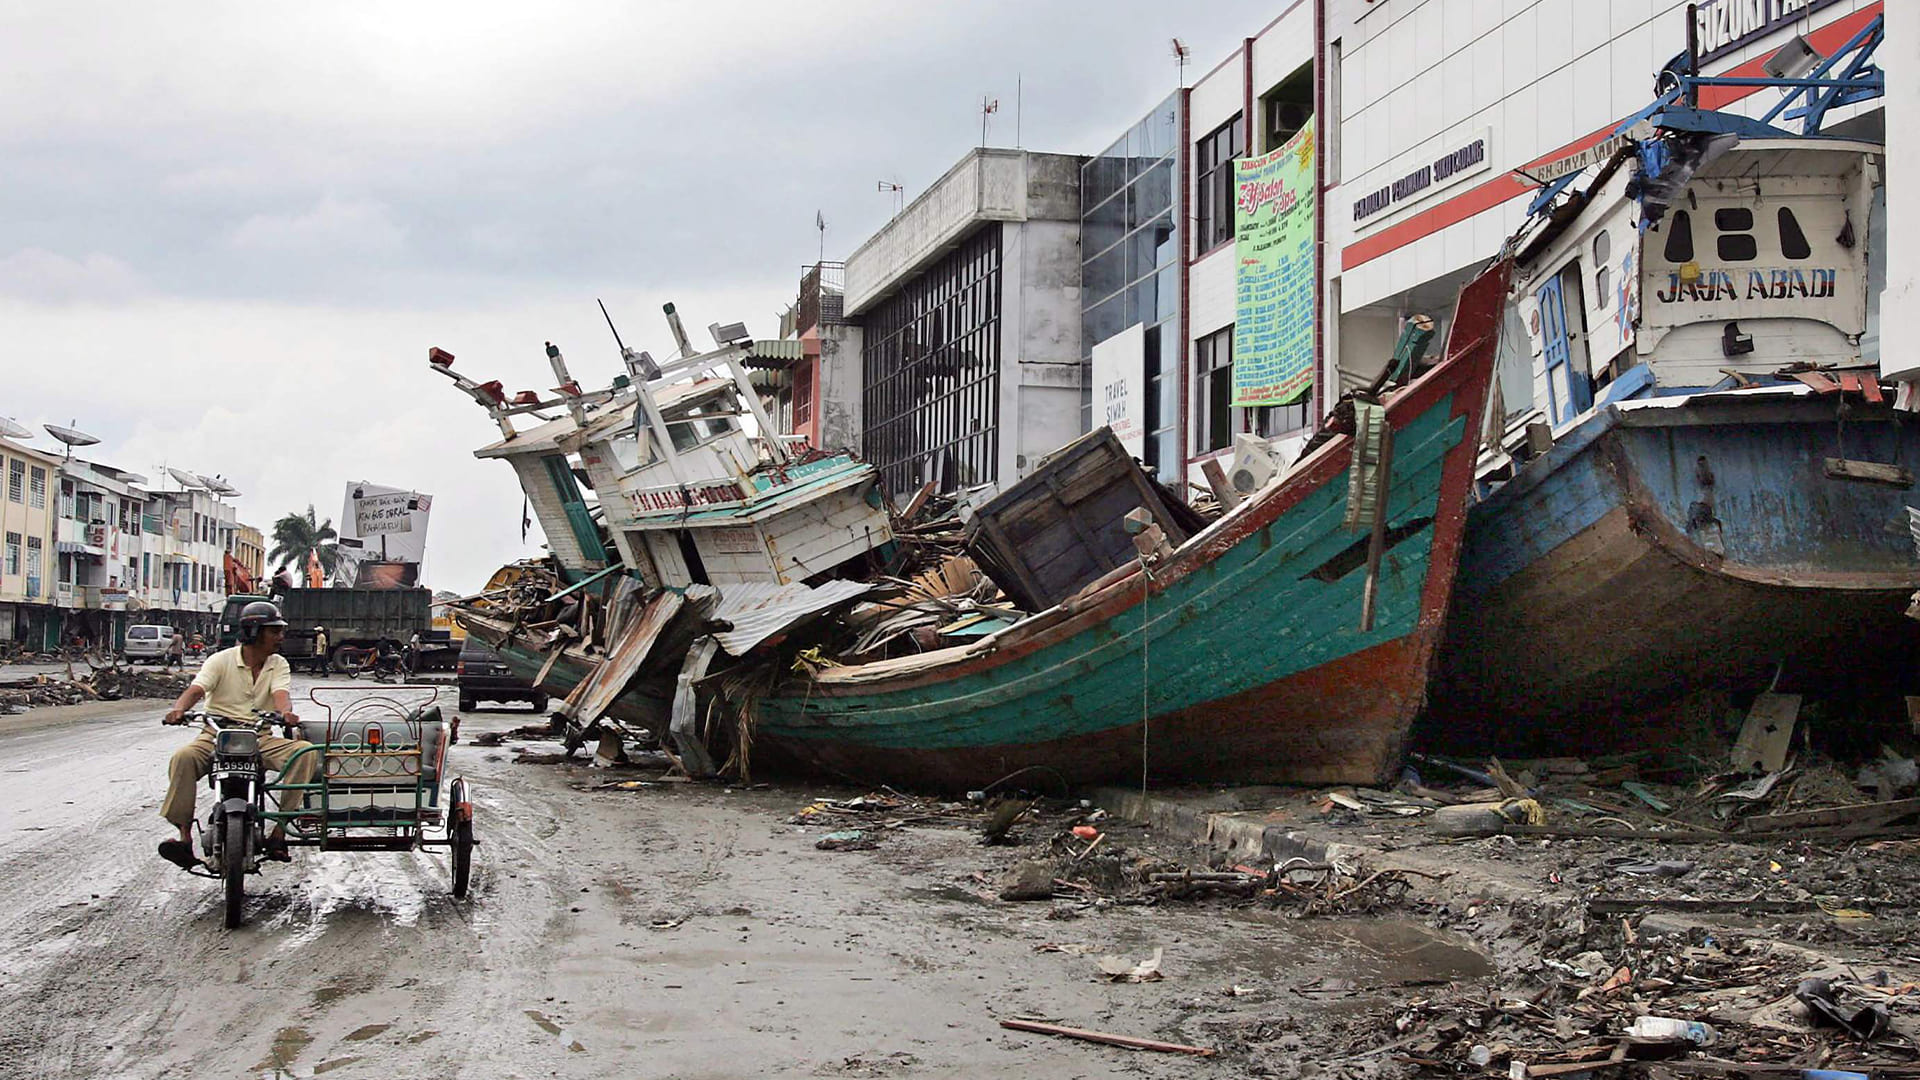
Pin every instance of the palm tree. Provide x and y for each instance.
(297, 534)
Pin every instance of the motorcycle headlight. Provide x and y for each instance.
(236, 742)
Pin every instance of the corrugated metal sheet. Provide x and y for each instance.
(759, 610)
(770, 354)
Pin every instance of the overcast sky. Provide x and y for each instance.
(229, 232)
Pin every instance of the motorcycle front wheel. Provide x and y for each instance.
(233, 864)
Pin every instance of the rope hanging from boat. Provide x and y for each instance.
(1146, 640)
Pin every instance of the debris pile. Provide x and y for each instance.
(110, 683)
(1620, 994)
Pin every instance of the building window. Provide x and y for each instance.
(802, 394)
(1130, 242)
(1213, 360)
(37, 491)
(1272, 420)
(1213, 185)
(13, 554)
(33, 566)
(16, 480)
(931, 367)
(1286, 108)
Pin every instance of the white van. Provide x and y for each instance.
(147, 642)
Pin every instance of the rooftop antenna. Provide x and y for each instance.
(11, 430)
(1018, 81)
(988, 106)
(639, 364)
(1180, 56)
(898, 192)
(820, 223)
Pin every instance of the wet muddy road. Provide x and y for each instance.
(670, 931)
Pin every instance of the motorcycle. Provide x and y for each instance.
(380, 663)
(234, 840)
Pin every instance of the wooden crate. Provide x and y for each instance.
(1048, 536)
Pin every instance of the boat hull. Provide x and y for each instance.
(1239, 658)
(1661, 551)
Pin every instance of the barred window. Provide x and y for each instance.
(37, 492)
(931, 360)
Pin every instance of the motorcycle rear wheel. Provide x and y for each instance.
(233, 865)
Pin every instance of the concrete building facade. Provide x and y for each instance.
(1428, 114)
(28, 604)
(968, 304)
(1447, 106)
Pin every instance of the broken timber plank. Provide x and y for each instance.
(547, 668)
(1131, 1042)
(1611, 906)
(1703, 836)
(1216, 477)
(1865, 815)
(1768, 733)
(1869, 472)
(1820, 383)
(918, 501)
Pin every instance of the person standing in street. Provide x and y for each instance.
(322, 659)
(176, 650)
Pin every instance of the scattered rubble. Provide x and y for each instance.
(111, 682)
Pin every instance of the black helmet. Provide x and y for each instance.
(256, 615)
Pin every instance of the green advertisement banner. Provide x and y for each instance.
(1275, 284)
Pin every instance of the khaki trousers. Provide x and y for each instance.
(191, 763)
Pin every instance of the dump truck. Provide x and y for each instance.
(356, 620)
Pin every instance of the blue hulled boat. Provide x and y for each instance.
(1697, 480)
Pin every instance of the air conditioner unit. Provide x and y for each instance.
(1254, 463)
(1286, 117)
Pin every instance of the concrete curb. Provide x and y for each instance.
(1242, 837)
(1232, 832)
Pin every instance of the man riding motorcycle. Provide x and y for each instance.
(236, 683)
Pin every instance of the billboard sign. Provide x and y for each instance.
(1275, 285)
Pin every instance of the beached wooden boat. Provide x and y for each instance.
(1706, 494)
(1675, 544)
(1239, 658)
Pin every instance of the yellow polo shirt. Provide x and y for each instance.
(231, 689)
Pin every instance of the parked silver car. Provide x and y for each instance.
(147, 642)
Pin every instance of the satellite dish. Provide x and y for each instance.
(217, 485)
(70, 436)
(186, 479)
(11, 430)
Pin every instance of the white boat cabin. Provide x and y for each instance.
(671, 462)
(1760, 262)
